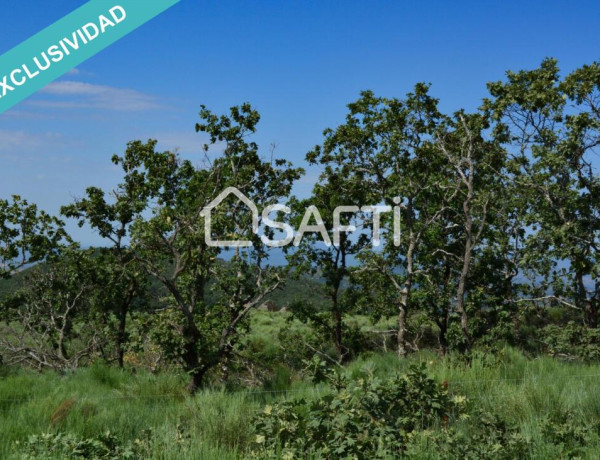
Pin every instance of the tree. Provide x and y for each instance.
(171, 243)
(551, 126)
(475, 166)
(27, 235)
(388, 147)
(48, 320)
(112, 218)
(330, 260)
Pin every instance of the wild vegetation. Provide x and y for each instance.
(471, 334)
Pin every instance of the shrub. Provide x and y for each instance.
(67, 446)
(364, 418)
(572, 341)
(569, 433)
(489, 438)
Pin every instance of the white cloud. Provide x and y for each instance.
(25, 147)
(79, 95)
(18, 114)
(15, 141)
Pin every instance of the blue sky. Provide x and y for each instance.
(299, 63)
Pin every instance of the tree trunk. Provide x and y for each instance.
(590, 310)
(462, 282)
(512, 306)
(122, 330)
(197, 379)
(191, 358)
(338, 326)
(337, 313)
(442, 322)
(62, 350)
(404, 297)
(442, 338)
(591, 314)
(401, 331)
(121, 337)
(225, 354)
(516, 326)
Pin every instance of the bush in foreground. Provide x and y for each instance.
(363, 419)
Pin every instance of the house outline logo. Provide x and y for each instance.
(207, 214)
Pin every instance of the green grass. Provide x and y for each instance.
(507, 384)
(217, 424)
(107, 399)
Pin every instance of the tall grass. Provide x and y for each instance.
(218, 424)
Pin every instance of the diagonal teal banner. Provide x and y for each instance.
(68, 42)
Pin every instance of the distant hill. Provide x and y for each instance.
(302, 288)
(295, 289)
(12, 284)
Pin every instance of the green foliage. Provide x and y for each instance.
(164, 329)
(172, 246)
(567, 431)
(554, 124)
(364, 418)
(66, 446)
(49, 316)
(27, 235)
(490, 439)
(535, 408)
(124, 281)
(321, 371)
(500, 230)
(296, 288)
(571, 341)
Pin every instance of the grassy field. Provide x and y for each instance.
(154, 409)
